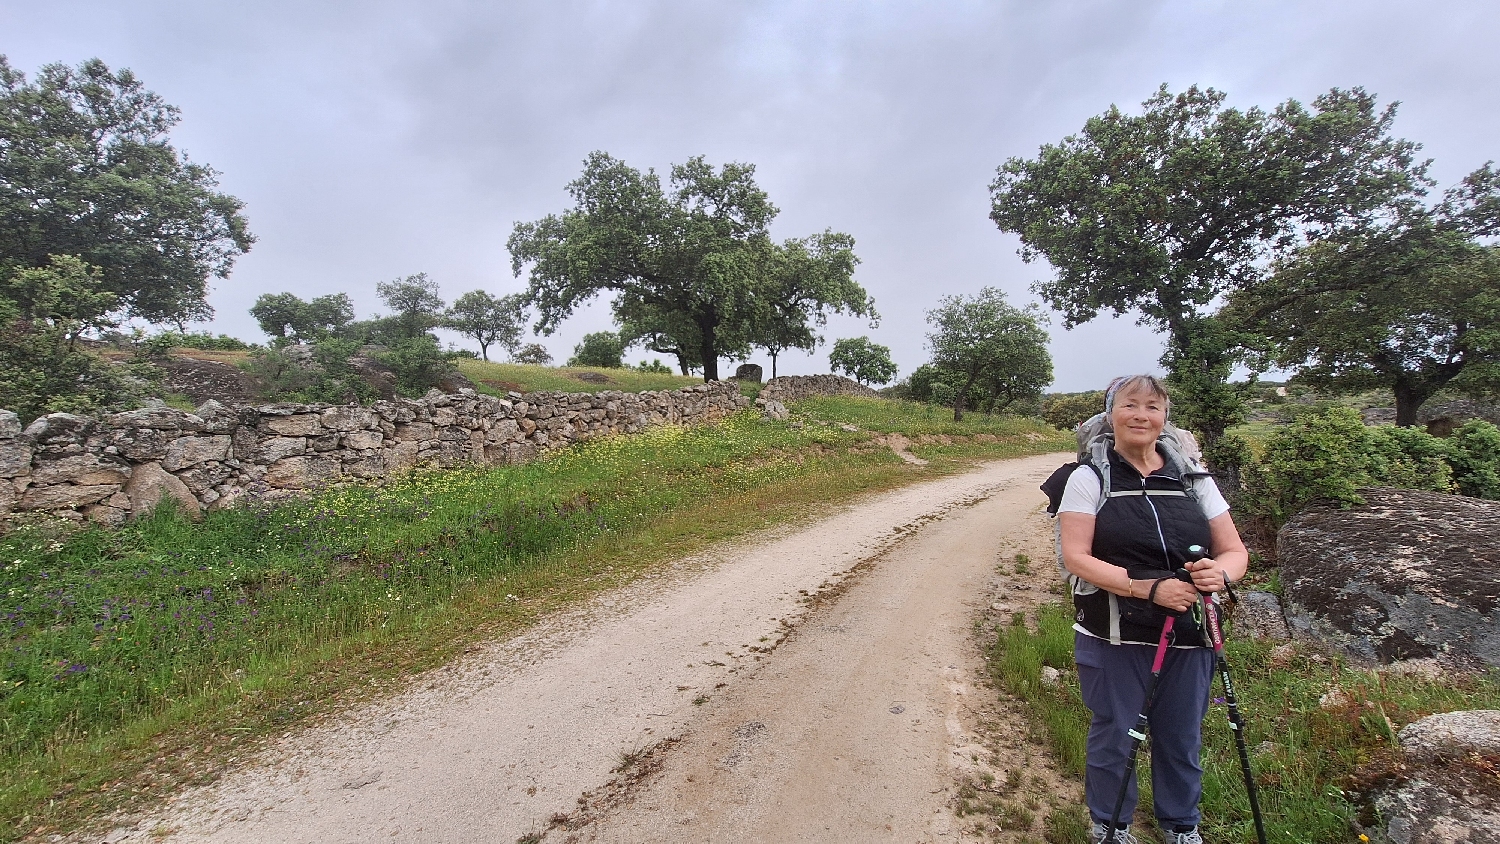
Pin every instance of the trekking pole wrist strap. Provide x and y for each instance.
(1151, 596)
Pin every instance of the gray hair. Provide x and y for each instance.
(1149, 384)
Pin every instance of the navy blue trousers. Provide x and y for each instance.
(1113, 680)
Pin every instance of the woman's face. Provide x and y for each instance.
(1138, 418)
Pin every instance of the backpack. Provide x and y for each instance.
(1095, 436)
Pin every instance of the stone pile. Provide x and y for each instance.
(106, 470)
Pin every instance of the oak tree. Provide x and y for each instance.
(1410, 304)
(1161, 213)
(488, 320)
(696, 251)
(987, 345)
(87, 169)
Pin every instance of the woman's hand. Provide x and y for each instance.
(1174, 594)
(1208, 575)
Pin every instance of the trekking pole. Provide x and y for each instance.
(1236, 720)
(1138, 732)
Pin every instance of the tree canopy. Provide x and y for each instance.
(990, 346)
(803, 280)
(600, 348)
(86, 169)
(416, 304)
(1163, 212)
(285, 317)
(699, 253)
(488, 320)
(1411, 303)
(865, 362)
(663, 331)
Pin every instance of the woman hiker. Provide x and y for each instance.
(1124, 554)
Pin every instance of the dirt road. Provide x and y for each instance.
(817, 685)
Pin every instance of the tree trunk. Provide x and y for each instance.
(1409, 399)
(682, 363)
(773, 364)
(958, 400)
(484, 351)
(708, 353)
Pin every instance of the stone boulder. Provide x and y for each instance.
(1406, 575)
(772, 409)
(10, 425)
(149, 483)
(749, 372)
(1444, 790)
(1258, 615)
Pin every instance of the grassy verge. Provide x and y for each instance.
(498, 378)
(140, 659)
(1312, 723)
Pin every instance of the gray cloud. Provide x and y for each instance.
(373, 140)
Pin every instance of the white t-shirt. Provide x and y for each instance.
(1082, 494)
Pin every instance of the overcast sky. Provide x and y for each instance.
(372, 140)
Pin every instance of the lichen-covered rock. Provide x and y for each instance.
(15, 458)
(298, 425)
(1258, 615)
(58, 428)
(10, 425)
(788, 388)
(65, 496)
(302, 472)
(774, 410)
(1444, 790)
(63, 469)
(1409, 574)
(362, 440)
(184, 452)
(1450, 734)
(159, 417)
(150, 483)
(348, 418)
(216, 418)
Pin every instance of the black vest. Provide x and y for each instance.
(1146, 527)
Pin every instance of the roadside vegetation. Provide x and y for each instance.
(500, 378)
(136, 660)
(1315, 727)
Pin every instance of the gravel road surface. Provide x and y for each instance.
(814, 684)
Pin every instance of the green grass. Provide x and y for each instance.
(1303, 754)
(137, 660)
(915, 418)
(498, 378)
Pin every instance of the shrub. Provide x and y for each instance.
(601, 348)
(1329, 454)
(418, 362)
(1065, 410)
(323, 375)
(655, 367)
(534, 354)
(202, 340)
(1475, 458)
(1411, 458)
(1322, 455)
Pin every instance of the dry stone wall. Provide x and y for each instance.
(108, 469)
(789, 388)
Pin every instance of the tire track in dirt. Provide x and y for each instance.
(849, 642)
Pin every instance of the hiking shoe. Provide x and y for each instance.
(1191, 836)
(1122, 835)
